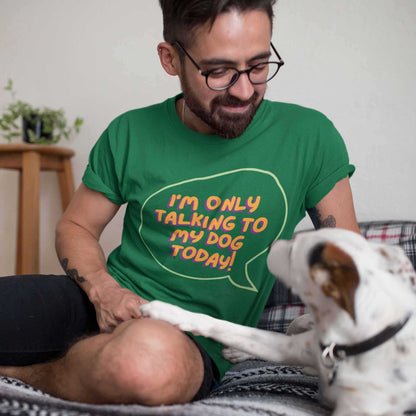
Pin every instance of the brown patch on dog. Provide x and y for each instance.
(343, 277)
(384, 253)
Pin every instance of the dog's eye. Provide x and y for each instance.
(315, 256)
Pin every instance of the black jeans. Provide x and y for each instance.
(41, 317)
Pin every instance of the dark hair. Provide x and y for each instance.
(181, 17)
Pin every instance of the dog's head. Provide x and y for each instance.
(332, 264)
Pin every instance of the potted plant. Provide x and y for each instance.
(39, 125)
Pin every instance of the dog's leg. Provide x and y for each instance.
(234, 355)
(270, 346)
(300, 324)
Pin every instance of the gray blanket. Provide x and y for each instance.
(250, 388)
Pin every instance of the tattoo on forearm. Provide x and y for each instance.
(329, 222)
(72, 273)
(318, 222)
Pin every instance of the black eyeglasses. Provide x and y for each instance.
(219, 79)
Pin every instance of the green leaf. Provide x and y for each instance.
(53, 121)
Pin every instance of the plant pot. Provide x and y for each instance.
(36, 126)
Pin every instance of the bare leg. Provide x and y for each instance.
(142, 361)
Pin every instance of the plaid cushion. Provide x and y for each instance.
(399, 233)
(283, 306)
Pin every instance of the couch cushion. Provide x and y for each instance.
(399, 233)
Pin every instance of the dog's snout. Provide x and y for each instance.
(315, 256)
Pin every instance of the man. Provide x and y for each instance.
(211, 177)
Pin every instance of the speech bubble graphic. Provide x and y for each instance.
(215, 227)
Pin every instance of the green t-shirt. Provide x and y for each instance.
(202, 210)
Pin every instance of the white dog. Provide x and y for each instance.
(362, 298)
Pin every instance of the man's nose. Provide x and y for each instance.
(242, 89)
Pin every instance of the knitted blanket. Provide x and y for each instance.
(251, 388)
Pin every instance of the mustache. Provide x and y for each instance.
(231, 101)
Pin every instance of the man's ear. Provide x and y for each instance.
(169, 58)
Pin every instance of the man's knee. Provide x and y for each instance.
(151, 363)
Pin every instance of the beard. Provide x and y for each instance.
(224, 124)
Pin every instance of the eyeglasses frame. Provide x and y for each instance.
(206, 74)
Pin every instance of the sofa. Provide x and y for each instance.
(250, 388)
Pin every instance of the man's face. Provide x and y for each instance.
(235, 40)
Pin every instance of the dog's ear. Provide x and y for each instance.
(337, 274)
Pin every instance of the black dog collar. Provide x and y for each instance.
(334, 352)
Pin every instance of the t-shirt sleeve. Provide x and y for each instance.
(101, 173)
(330, 163)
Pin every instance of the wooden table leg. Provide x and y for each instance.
(28, 232)
(19, 253)
(66, 183)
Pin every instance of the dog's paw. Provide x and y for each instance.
(301, 324)
(155, 309)
(235, 355)
(172, 314)
(310, 371)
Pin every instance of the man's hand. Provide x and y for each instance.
(77, 243)
(114, 305)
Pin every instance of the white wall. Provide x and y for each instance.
(355, 60)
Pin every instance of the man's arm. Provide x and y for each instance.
(336, 209)
(77, 244)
